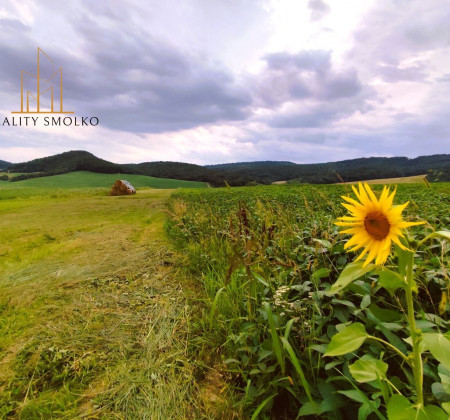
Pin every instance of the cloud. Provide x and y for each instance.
(305, 90)
(230, 81)
(136, 83)
(318, 8)
(393, 73)
(305, 75)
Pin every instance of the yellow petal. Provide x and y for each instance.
(370, 193)
(397, 241)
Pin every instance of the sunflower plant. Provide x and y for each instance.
(377, 228)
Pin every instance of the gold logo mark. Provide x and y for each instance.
(37, 98)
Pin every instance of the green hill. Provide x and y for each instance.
(4, 165)
(84, 161)
(67, 162)
(437, 166)
(90, 179)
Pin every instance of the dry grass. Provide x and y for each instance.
(416, 179)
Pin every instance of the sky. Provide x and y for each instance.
(218, 81)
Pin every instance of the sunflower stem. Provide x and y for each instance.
(416, 335)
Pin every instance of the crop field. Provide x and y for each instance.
(292, 345)
(215, 303)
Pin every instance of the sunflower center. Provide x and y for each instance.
(377, 225)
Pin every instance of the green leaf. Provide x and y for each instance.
(432, 412)
(350, 273)
(439, 392)
(444, 234)
(444, 374)
(365, 302)
(349, 339)
(354, 395)
(403, 257)
(321, 273)
(439, 347)
(297, 367)
(391, 281)
(446, 407)
(399, 408)
(275, 338)
(364, 411)
(261, 406)
(368, 369)
(308, 409)
(213, 307)
(326, 244)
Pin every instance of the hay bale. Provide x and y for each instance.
(122, 187)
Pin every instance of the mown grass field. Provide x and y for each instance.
(94, 313)
(416, 179)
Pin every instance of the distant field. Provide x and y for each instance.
(10, 175)
(404, 180)
(95, 180)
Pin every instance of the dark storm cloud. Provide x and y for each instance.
(144, 84)
(134, 82)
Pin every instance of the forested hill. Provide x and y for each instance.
(67, 162)
(84, 161)
(436, 166)
(4, 164)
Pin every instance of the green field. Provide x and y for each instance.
(267, 257)
(205, 303)
(95, 180)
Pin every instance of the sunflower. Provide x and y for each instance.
(374, 223)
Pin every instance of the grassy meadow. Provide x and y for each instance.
(84, 179)
(94, 313)
(204, 303)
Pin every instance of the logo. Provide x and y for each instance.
(55, 79)
(42, 93)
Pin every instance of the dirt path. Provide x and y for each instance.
(94, 311)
